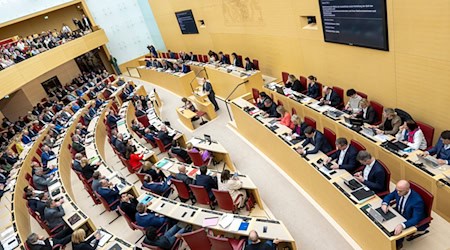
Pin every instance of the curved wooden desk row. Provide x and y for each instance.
(349, 214)
(401, 165)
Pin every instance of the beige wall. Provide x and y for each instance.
(16, 105)
(416, 70)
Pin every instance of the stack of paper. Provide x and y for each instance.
(226, 220)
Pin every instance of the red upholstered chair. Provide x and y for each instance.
(310, 121)
(294, 111)
(428, 200)
(94, 197)
(340, 92)
(279, 103)
(331, 138)
(105, 203)
(182, 190)
(304, 83)
(201, 195)
(320, 90)
(106, 93)
(256, 64)
(130, 223)
(363, 95)
(225, 201)
(144, 120)
(222, 243)
(197, 239)
(161, 146)
(29, 178)
(284, 76)
(197, 160)
(428, 132)
(176, 56)
(141, 176)
(228, 57)
(387, 180)
(240, 59)
(357, 145)
(205, 58)
(378, 109)
(200, 58)
(255, 93)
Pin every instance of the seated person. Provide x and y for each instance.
(112, 119)
(206, 155)
(313, 88)
(411, 135)
(409, 204)
(189, 106)
(177, 151)
(294, 84)
(260, 101)
(373, 175)
(47, 155)
(317, 139)
(160, 188)
(77, 162)
(128, 205)
(345, 156)
(76, 144)
(236, 61)
(164, 241)
(39, 242)
(270, 109)
(37, 202)
(223, 59)
(354, 100)
(26, 139)
(164, 136)
(254, 243)
(248, 64)
(285, 117)
(120, 145)
(40, 181)
(330, 97)
(298, 128)
(390, 124)
(182, 176)
(367, 113)
(134, 158)
(150, 135)
(442, 149)
(207, 181)
(154, 172)
(148, 219)
(87, 169)
(79, 241)
(54, 213)
(109, 192)
(96, 178)
(233, 185)
(113, 137)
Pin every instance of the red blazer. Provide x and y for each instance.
(286, 120)
(135, 161)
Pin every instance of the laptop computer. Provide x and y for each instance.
(368, 131)
(280, 90)
(395, 146)
(380, 216)
(352, 184)
(429, 161)
(353, 121)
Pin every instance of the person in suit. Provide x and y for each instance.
(409, 204)
(177, 150)
(255, 243)
(286, 118)
(236, 61)
(345, 156)
(206, 181)
(112, 119)
(40, 181)
(411, 135)
(146, 219)
(166, 240)
(373, 174)
(79, 241)
(120, 144)
(298, 130)
(248, 64)
(367, 114)
(160, 187)
(154, 172)
(208, 89)
(26, 139)
(37, 202)
(317, 139)
(390, 124)
(331, 97)
(77, 162)
(164, 136)
(47, 155)
(271, 109)
(182, 176)
(223, 59)
(128, 205)
(109, 192)
(96, 178)
(39, 242)
(76, 144)
(193, 57)
(54, 213)
(442, 149)
(313, 89)
(294, 84)
(86, 23)
(88, 169)
(261, 99)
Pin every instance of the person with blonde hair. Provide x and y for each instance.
(390, 124)
(88, 169)
(298, 128)
(79, 241)
(204, 153)
(367, 113)
(285, 117)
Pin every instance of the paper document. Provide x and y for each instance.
(226, 220)
(210, 222)
(235, 224)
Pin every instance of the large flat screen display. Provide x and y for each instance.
(355, 22)
(187, 22)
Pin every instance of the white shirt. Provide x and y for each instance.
(342, 156)
(364, 110)
(367, 170)
(419, 141)
(353, 102)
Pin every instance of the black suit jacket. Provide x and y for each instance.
(206, 181)
(335, 99)
(320, 144)
(377, 178)
(164, 137)
(349, 163)
(370, 117)
(37, 206)
(47, 246)
(129, 209)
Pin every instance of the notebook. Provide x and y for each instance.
(210, 222)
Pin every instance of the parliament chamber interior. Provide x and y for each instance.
(227, 124)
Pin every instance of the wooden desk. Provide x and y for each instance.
(186, 116)
(400, 167)
(300, 169)
(217, 150)
(203, 104)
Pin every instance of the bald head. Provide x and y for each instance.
(402, 187)
(182, 169)
(253, 236)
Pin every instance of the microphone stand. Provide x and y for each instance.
(227, 100)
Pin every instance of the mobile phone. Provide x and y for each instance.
(264, 229)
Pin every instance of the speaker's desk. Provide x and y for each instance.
(178, 83)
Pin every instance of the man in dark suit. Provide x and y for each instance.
(223, 59)
(37, 204)
(373, 175)
(109, 193)
(128, 205)
(182, 176)
(367, 114)
(193, 57)
(76, 144)
(54, 212)
(164, 136)
(112, 119)
(345, 156)
(86, 22)
(409, 204)
(441, 149)
(120, 144)
(47, 155)
(39, 242)
(330, 97)
(271, 109)
(206, 181)
(317, 139)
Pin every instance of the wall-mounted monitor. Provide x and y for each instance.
(358, 23)
(186, 21)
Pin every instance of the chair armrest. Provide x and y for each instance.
(114, 202)
(55, 229)
(331, 152)
(57, 246)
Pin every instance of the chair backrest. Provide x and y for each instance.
(330, 136)
(310, 121)
(378, 109)
(160, 145)
(387, 180)
(340, 92)
(197, 239)
(256, 64)
(219, 243)
(363, 95)
(428, 132)
(104, 202)
(150, 246)
(303, 82)
(320, 90)
(205, 58)
(255, 93)
(279, 103)
(284, 76)
(88, 188)
(224, 200)
(196, 158)
(294, 111)
(182, 189)
(427, 198)
(240, 59)
(144, 120)
(357, 145)
(141, 176)
(200, 193)
(127, 219)
(200, 58)
(228, 57)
